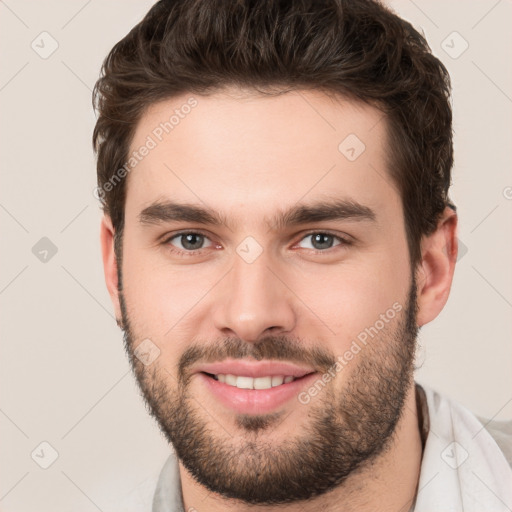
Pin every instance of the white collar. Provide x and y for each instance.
(463, 469)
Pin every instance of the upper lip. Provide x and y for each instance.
(254, 369)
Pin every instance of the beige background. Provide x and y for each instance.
(64, 376)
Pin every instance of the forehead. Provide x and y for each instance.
(242, 152)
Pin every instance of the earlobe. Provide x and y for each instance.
(110, 264)
(435, 272)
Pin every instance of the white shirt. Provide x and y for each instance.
(463, 468)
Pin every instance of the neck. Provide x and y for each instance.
(388, 484)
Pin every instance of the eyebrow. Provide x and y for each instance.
(338, 209)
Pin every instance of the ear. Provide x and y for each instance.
(110, 263)
(435, 272)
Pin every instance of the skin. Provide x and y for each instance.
(249, 157)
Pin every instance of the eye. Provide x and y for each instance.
(192, 242)
(188, 241)
(321, 241)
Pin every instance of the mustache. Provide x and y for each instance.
(277, 348)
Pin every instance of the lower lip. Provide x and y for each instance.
(255, 401)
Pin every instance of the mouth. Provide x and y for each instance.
(244, 382)
(260, 395)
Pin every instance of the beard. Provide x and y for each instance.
(343, 430)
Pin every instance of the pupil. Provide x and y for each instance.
(191, 241)
(320, 239)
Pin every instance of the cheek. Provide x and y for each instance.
(160, 297)
(350, 298)
(158, 307)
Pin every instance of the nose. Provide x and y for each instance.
(254, 301)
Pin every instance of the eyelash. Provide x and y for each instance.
(343, 242)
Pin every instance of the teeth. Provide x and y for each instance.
(277, 380)
(254, 383)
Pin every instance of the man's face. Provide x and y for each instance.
(332, 295)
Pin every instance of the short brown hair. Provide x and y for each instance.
(358, 49)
